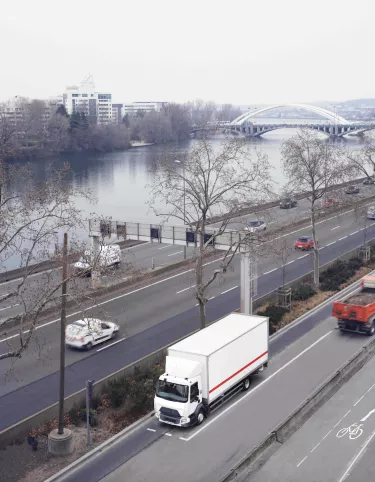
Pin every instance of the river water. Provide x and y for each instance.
(119, 180)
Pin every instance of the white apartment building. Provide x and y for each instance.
(117, 113)
(146, 107)
(97, 106)
(16, 110)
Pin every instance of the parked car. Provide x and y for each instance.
(288, 202)
(304, 243)
(255, 226)
(89, 332)
(352, 189)
(369, 180)
(331, 202)
(371, 212)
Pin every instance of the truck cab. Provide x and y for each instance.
(178, 399)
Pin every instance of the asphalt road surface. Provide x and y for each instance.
(150, 318)
(336, 443)
(209, 452)
(142, 257)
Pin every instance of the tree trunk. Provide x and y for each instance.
(199, 280)
(316, 247)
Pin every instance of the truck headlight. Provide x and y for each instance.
(185, 419)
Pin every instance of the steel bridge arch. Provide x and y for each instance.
(240, 120)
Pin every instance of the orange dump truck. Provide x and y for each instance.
(357, 311)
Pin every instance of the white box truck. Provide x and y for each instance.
(109, 255)
(209, 367)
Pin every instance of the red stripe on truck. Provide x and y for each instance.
(238, 371)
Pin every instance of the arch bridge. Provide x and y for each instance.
(335, 125)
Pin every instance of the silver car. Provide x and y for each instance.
(371, 212)
(255, 226)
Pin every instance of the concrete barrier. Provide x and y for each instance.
(298, 417)
(52, 264)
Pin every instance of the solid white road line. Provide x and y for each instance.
(257, 387)
(357, 457)
(168, 434)
(230, 289)
(151, 430)
(111, 344)
(7, 307)
(185, 289)
(302, 461)
(174, 254)
(336, 227)
(357, 402)
(168, 246)
(340, 239)
(272, 270)
(137, 245)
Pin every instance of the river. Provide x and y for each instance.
(119, 180)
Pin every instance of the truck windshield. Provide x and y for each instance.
(172, 391)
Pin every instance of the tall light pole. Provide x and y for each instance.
(183, 175)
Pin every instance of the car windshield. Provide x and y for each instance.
(172, 391)
(76, 328)
(303, 240)
(255, 223)
(287, 200)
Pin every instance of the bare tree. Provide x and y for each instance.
(312, 166)
(7, 132)
(362, 161)
(210, 183)
(31, 219)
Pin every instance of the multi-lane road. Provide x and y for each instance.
(337, 443)
(208, 453)
(151, 317)
(148, 306)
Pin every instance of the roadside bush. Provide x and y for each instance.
(118, 391)
(93, 415)
(75, 415)
(330, 285)
(275, 315)
(355, 263)
(303, 292)
(338, 273)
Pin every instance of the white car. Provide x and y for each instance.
(89, 332)
(255, 226)
(371, 212)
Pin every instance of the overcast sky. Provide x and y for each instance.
(238, 51)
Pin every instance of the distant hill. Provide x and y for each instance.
(360, 102)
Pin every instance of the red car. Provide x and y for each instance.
(304, 243)
(331, 202)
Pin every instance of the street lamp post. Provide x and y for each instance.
(183, 175)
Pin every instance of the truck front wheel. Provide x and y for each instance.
(200, 417)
